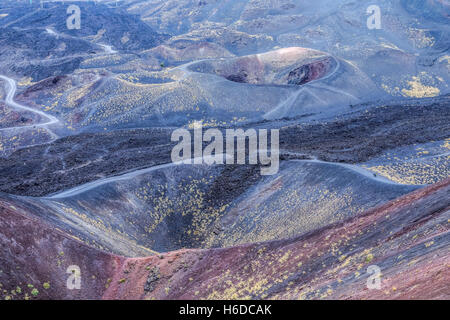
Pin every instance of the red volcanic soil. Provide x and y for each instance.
(34, 254)
(288, 66)
(310, 72)
(408, 239)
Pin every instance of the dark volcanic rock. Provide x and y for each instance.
(363, 135)
(354, 138)
(152, 278)
(79, 159)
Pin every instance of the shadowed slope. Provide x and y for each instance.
(169, 207)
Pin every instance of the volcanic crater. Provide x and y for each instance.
(288, 66)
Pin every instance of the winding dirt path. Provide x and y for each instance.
(130, 175)
(11, 91)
